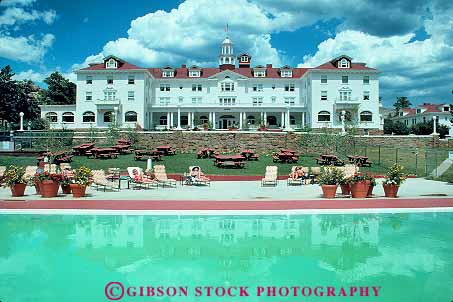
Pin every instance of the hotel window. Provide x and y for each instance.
(89, 80)
(227, 101)
(168, 74)
(88, 117)
(446, 108)
(343, 63)
(289, 87)
(164, 87)
(130, 116)
(88, 96)
(251, 120)
(130, 95)
(324, 95)
(111, 64)
(109, 80)
(345, 95)
(290, 101)
(344, 79)
(196, 87)
(109, 95)
(68, 117)
(181, 99)
(273, 99)
(227, 86)
(163, 120)
(292, 120)
(131, 80)
(257, 101)
(259, 74)
(366, 116)
(324, 79)
(244, 59)
(164, 101)
(258, 87)
(196, 100)
(424, 119)
(194, 74)
(366, 80)
(366, 95)
(286, 74)
(52, 117)
(324, 116)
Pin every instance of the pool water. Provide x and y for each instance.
(72, 258)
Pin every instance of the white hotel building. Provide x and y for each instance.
(232, 94)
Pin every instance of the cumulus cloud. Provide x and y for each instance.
(16, 2)
(25, 49)
(18, 16)
(30, 75)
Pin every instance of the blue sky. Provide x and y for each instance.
(410, 41)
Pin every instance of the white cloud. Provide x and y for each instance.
(18, 16)
(25, 49)
(30, 75)
(16, 2)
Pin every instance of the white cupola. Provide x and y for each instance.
(226, 57)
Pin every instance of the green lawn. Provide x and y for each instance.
(425, 161)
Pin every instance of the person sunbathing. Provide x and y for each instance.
(297, 174)
(138, 177)
(196, 174)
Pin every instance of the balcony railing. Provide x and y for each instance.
(112, 102)
(351, 101)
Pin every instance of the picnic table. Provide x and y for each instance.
(122, 149)
(145, 154)
(206, 153)
(234, 161)
(329, 160)
(249, 154)
(104, 153)
(123, 141)
(285, 156)
(359, 160)
(57, 157)
(166, 150)
(82, 149)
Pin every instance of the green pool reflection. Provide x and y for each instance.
(71, 258)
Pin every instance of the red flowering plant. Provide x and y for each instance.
(358, 177)
(46, 175)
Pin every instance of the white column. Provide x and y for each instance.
(151, 123)
(172, 120)
(210, 117)
(21, 114)
(179, 118)
(241, 116)
(287, 124)
(192, 121)
(302, 121)
(213, 121)
(265, 118)
(283, 119)
(342, 117)
(168, 120)
(434, 125)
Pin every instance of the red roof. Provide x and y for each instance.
(426, 108)
(354, 66)
(121, 66)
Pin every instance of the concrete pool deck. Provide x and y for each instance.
(236, 195)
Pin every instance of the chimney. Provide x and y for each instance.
(268, 65)
(183, 66)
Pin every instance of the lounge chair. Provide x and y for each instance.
(300, 181)
(2, 171)
(270, 177)
(201, 179)
(349, 170)
(138, 179)
(161, 176)
(100, 180)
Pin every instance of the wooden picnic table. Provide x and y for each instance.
(206, 153)
(329, 159)
(145, 154)
(123, 141)
(82, 149)
(122, 149)
(104, 153)
(166, 150)
(359, 160)
(288, 151)
(249, 154)
(285, 157)
(235, 161)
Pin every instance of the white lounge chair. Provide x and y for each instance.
(270, 177)
(161, 176)
(200, 179)
(100, 180)
(138, 179)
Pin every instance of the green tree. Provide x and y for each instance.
(60, 91)
(8, 88)
(427, 129)
(401, 103)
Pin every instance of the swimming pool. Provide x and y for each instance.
(407, 256)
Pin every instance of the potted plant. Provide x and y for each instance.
(329, 178)
(15, 180)
(49, 183)
(359, 185)
(371, 186)
(394, 177)
(345, 186)
(82, 178)
(65, 184)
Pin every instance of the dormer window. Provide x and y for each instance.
(168, 74)
(419, 110)
(286, 73)
(194, 74)
(259, 74)
(446, 108)
(244, 59)
(343, 63)
(112, 63)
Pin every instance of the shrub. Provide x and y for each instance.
(395, 175)
(331, 176)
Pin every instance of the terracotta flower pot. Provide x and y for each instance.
(18, 190)
(391, 191)
(370, 191)
(49, 188)
(345, 189)
(66, 189)
(329, 191)
(78, 190)
(359, 189)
